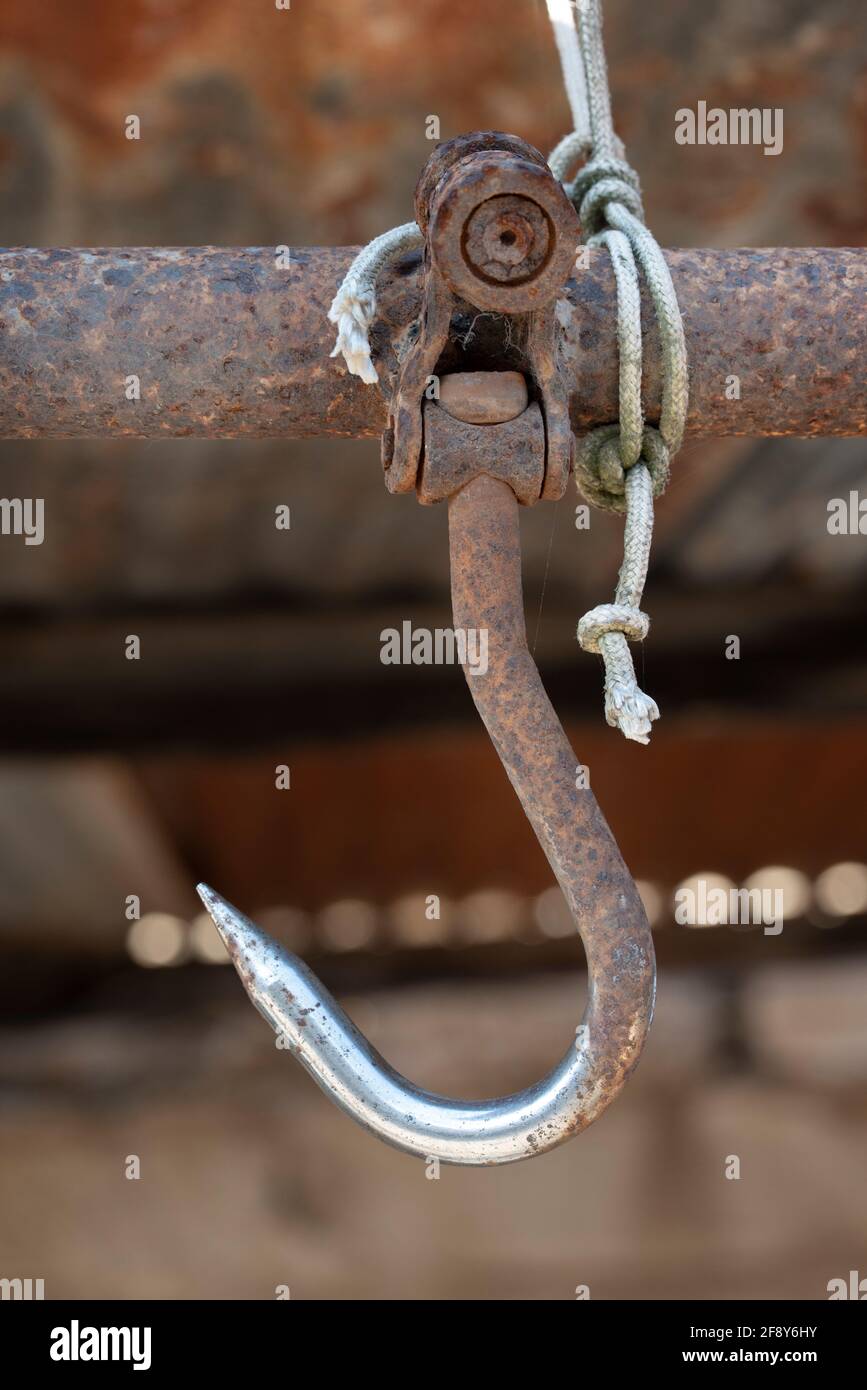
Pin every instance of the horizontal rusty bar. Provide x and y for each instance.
(229, 343)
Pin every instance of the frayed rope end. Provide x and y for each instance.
(631, 711)
(353, 314)
(354, 307)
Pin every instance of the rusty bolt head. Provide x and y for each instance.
(507, 240)
(502, 232)
(446, 155)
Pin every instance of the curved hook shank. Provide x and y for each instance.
(509, 695)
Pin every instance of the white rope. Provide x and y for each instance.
(562, 16)
(605, 629)
(623, 466)
(353, 308)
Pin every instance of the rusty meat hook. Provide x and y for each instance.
(510, 697)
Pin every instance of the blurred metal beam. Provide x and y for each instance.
(225, 679)
(230, 343)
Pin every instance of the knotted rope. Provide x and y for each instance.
(621, 467)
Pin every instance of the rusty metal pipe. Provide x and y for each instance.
(486, 591)
(227, 344)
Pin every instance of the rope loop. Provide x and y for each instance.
(571, 148)
(612, 617)
(599, 470)
(604, 180)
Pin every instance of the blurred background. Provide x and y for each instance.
(261, 648)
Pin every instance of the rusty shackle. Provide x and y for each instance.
(501, 238)
(498, 236)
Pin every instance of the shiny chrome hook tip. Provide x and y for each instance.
(230, 923)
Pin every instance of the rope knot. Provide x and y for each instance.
(603, 180)
(604, 631)
(612, 617)
(600, 471)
